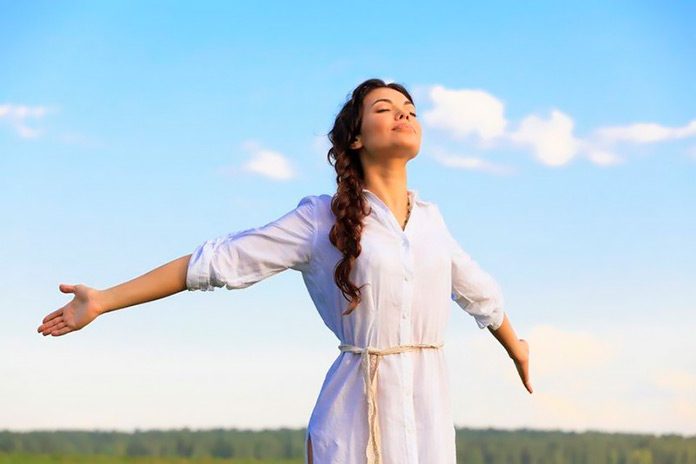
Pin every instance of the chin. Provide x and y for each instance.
(411, 151)
(405, 151)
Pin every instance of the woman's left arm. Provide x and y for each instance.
(517, 349)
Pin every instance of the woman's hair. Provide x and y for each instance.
(349, 203)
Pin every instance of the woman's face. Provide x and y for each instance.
(389, 126)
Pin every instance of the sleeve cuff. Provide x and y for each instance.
(496, 322)
(198, 271)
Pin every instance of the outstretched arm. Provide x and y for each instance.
(163, 281)
(88, 303)
(477, 292)
(235, 260)
(517, 349)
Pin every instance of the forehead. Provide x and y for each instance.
(395, 96)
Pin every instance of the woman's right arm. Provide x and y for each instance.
(235, 260)
(165, 280)
(88, 303)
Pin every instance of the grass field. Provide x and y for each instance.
(96, 459)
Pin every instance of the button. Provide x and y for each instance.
(404, 316)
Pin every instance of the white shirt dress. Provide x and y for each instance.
(385, 399)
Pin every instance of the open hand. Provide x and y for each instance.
(83, 309)
(521, 360)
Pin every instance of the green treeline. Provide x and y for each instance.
(524, 446)
(474, 446)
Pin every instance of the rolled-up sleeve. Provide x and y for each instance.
(242, 258)
(474, 290)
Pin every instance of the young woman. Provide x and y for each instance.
(382, 270)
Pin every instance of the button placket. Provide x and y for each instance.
(407, 288)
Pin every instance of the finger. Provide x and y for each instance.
(53, 315)
(62, 331)
(50, 325)
(523, 371)
(527, 382)
(65, 288)
(55, 328)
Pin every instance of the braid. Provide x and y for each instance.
(349, 204)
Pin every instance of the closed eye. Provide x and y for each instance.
(379, 111)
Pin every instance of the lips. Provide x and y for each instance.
(404, 126)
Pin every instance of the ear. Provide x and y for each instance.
(357, 144)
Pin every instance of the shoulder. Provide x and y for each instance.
(316, 202)
(321, 204)
(430, 208)
(317, 205)
(422, 202)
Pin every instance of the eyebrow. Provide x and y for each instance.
(388, 100)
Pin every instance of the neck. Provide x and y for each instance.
(392, 190)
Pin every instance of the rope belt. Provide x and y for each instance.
(369, 361)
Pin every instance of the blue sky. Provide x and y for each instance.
(559, 142)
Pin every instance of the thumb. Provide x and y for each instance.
(65, 288)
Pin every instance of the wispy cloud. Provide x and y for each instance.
(264, 162)
(18, 115)
(76, 138)
(645, 133)
(583, 379)
(601, 157)
(476, 117)
(470, 162)
(563, 352)
(680, 381)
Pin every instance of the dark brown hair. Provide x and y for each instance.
(349, 203)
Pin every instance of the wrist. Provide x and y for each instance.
(516, 352)
(102, 299)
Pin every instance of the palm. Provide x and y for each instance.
(79, 312)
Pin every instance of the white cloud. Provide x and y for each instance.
(466, 112)
(470, 163)
(551, 140)
(603, 378)
(602, 157)
(564, 352)
(645, 133)
(17, 115)
(678, 381)
(268, 163)
(474, 113)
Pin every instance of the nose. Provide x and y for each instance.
(400, 114)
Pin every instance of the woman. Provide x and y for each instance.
(381, 268)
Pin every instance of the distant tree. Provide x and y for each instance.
(222, 449)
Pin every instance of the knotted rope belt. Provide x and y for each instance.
(369, 362)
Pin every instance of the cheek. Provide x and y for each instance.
(376, 127)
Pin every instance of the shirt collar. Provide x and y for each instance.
(415, 197)
(385, 213)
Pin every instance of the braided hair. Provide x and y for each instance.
(349, 203)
